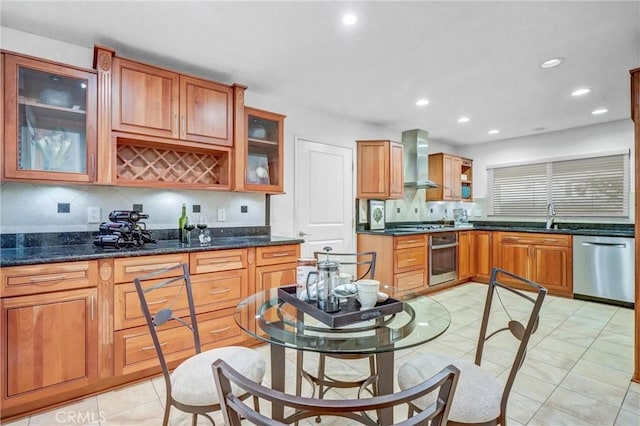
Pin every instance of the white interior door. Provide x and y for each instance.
(324, 200)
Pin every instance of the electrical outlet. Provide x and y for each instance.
(93, 214)
(222, 215)
(244, 209)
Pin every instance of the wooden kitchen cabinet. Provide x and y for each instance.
(219, 280)
(635, 116)
(483, 251)
(263, 164)
(49, 333)
(49, 122)
(156, 102)
(543, 258)
(401, 261)
(466, 255)
(453, 175)
(380, 169)
(276, 266)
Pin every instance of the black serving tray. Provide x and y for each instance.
(349, 312)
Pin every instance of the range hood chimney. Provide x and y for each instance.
(416, 159)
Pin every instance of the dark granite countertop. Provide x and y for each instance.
(593, 229)
(74, 252)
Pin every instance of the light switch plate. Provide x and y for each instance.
(93, 214)
(222, 215)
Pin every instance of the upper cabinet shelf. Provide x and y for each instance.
(263, 163)
(49, 121)
(454, 177)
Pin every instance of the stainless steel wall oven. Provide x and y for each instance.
(443, 257)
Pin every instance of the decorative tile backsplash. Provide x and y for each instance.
(27, 208)
(413, 208)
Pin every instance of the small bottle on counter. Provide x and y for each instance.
(182, 221)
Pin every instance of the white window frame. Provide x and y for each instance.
(577, 193)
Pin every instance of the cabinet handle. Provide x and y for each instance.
(411, 259)
(93, 165)
(551, 240)
(226, 290)
(221, 330)
(212, 261)
(149, 268)
(175, 121)
(93, 300)
(146, 348)
(182, 126)
(411, 241)
(281, 254)
(37, 280)
(156, 302)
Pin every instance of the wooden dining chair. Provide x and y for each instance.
(442, 386)
(480, 397)
(359, 265)
(166, 300)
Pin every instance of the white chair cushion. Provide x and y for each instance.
(192, 382)
(477, 395)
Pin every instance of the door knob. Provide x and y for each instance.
(302, 233)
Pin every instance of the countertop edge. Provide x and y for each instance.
(82, 252)
(588, 232)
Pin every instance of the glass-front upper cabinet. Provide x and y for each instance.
(50, 121)
(265, 139)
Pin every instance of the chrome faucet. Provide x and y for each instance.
(551, 212)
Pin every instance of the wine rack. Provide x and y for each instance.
(142, 163)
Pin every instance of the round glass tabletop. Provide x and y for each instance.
(277, 320)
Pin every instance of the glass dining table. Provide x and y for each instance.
(269, 317)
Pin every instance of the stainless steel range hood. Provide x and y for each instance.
(416, 159)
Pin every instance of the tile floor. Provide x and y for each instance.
(577, 370)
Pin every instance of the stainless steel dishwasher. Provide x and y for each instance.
(603, 268)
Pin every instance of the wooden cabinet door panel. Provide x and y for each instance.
(396, 172)
(273, 276)
(466, 255)
(373, 170)
(411, 280)
(552, 269)
(35, 279)
(126, 269)
(205, 111)
(210, 292)
(409, 259)
(145, 99)
(275, 255)
(51, 343)
(217, 260)
(515, 258)
(483, 251)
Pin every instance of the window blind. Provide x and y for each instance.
(578, 187)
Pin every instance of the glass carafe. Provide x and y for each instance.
(328, 279)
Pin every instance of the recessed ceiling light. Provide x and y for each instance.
(581, 91)
(349, 19)
(463, 120)
(422, 102)
(551, 63)
(599, 111)
(494, 132)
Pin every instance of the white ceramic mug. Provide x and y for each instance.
(368, 293)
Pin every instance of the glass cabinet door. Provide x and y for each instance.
(264, 166)
(50, 129)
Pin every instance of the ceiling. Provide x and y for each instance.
(478, 59)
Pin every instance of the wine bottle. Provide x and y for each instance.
(182, 221)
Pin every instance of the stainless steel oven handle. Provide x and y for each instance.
(444, 246)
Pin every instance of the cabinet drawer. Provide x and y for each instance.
(210, 292)
(33, 279)
(274, 255)
(411, 280)
(537, 239)
(214, 261)
(408, 259)
(126, 269)
(134, 350)
(407, 241)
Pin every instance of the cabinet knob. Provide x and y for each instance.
(302, 233)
